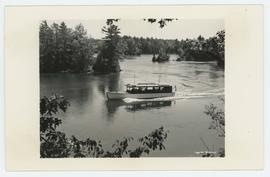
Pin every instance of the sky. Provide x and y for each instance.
(177, 29)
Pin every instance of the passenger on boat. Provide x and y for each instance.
(149, 89)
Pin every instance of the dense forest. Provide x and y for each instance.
(63, 49)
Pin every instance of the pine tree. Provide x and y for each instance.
(108, 58)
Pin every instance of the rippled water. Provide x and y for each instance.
(92, 115)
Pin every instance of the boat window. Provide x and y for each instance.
(161, 88)
(149, 88)
(156, 88)
(143, 88)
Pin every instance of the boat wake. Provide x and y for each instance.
(182, 95)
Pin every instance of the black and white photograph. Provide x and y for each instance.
(150, 87)
(95, 88)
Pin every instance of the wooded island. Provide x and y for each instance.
(63, 49)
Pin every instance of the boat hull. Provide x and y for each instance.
(122, 95)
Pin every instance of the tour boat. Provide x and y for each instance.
(143, 91)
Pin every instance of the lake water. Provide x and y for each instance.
(92, 115)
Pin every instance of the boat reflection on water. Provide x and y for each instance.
(113, 105)
(146, 105)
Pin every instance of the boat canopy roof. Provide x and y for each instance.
(148, 85)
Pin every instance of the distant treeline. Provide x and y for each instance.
(63, 49)
(199, 49)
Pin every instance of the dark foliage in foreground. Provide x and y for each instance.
(162, 22)
(55, 144)
(217, 117)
